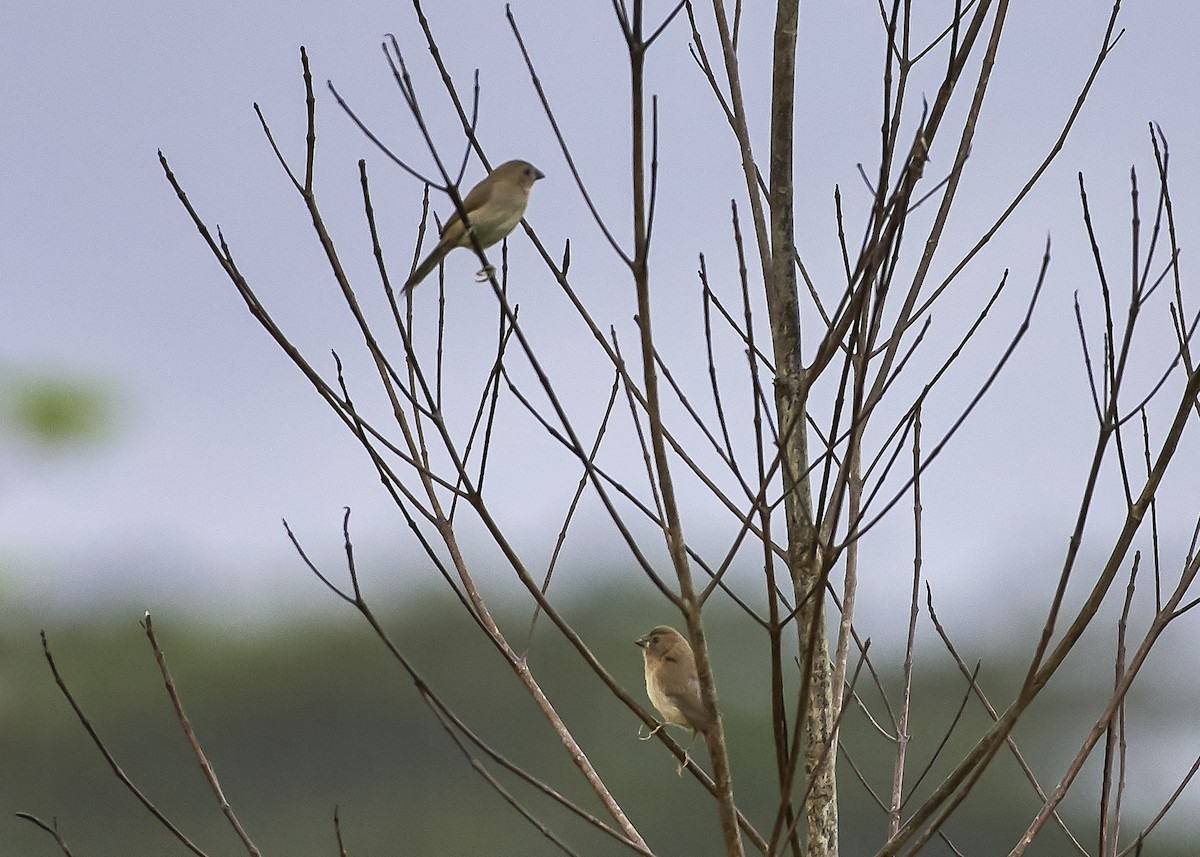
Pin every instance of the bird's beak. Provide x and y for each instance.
(641, 641)
(540, 174)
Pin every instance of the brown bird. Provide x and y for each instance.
(671, 681)
(494, 208)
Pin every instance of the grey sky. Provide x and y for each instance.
(218, 437)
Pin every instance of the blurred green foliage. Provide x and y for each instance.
(300, 717)
(53, 409)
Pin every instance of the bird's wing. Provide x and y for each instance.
(477, 198)
(689, 704)
(472, 202)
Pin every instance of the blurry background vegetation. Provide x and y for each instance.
(53, 409)
(304, 715)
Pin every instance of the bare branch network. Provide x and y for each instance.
(803, 425)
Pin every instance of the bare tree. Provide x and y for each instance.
(826, 441)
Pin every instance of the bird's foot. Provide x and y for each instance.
(652, 733)
(686, 754)
(485, 273)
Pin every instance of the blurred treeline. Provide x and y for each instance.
(299, 717)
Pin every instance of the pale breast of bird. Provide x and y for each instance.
(504, 218)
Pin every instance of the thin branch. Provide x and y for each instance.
(108, 757)
(51, 829)
(205, 766)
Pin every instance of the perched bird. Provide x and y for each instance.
(671, 681)
(494, 208)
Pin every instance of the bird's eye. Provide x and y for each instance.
(654, 639)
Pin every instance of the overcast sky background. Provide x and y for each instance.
(217, 437)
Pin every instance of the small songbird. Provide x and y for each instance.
(671, 681)
(494, 208)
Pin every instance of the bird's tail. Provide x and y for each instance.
(426, 268)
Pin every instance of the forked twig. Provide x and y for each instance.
(52, 829)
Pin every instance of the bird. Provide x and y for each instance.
(671, 680)
(494, 207)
